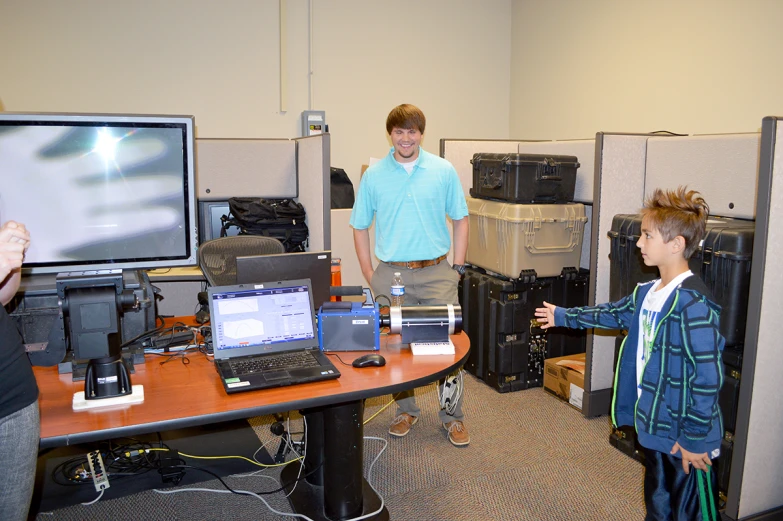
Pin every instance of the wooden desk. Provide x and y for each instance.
(177, 395)
(187, 273)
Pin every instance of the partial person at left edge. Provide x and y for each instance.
(19, 416)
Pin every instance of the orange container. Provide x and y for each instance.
(337, 278)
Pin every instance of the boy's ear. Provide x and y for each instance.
(678, 244)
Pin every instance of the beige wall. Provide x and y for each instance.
(636, 66)
(220, 61)
(578, 66)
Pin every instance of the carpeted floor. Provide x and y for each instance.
(531, 457)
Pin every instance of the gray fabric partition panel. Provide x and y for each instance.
(724, 168)
(618, 188)
(245, 167)
(312, 166)
(756, 481)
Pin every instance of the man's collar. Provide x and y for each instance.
(421, 161)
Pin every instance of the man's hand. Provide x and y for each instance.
(546, 315)
(368, 274)
(699, 461)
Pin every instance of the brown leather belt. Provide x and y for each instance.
(413, 265)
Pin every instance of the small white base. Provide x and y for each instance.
(80, 404)
(432, 348)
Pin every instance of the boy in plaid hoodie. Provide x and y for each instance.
(669, 371)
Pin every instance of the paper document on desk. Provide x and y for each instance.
(432, 348)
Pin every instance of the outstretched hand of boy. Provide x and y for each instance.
(699, 461)
(546, 315)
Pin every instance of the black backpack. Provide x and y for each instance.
(342, 189)
(283, 219)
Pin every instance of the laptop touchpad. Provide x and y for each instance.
(275, 375)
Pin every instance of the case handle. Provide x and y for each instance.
(548, 170)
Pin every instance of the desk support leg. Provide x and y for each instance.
(337, 491)
(343, 452)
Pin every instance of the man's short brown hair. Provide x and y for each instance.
(406, 116)
(678, 212)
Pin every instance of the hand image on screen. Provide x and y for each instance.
(14, 241)
(94, 193)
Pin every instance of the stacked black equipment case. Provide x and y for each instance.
(524, 248)
(524, 178)
(723, 262)
(507, 348)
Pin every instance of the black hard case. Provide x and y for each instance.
(728, 399)
(624, 439)
(723, 263)
(724, 464)
(507, 350)
(524, 178)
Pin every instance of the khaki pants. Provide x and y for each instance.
(431, 286)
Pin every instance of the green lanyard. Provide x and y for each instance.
(648, 334)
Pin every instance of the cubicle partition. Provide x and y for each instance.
(736, 174)
(273, 169)
(246, 167)
(756, 481)
(629, 167)
(314, 182)
(618, 187)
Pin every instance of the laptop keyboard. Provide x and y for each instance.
(269, 362)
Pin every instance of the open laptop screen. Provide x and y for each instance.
(262, 318)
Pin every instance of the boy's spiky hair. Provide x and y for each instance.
(406, 116)
(678, 212)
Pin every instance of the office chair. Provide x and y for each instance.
(218, 258)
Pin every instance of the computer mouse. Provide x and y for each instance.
(371, 360)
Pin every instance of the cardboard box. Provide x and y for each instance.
(564, 376)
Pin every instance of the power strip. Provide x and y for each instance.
(97, 471)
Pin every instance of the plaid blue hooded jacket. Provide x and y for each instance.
(683, 375)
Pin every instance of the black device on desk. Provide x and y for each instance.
(370, 360)
(264, 336)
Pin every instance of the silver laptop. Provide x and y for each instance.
(264, 335)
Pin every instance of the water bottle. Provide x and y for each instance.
(397, 290)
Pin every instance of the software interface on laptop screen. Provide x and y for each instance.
(263, 316)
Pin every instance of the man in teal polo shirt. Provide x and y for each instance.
(409, 194)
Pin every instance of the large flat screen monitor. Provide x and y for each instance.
(100, 191)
